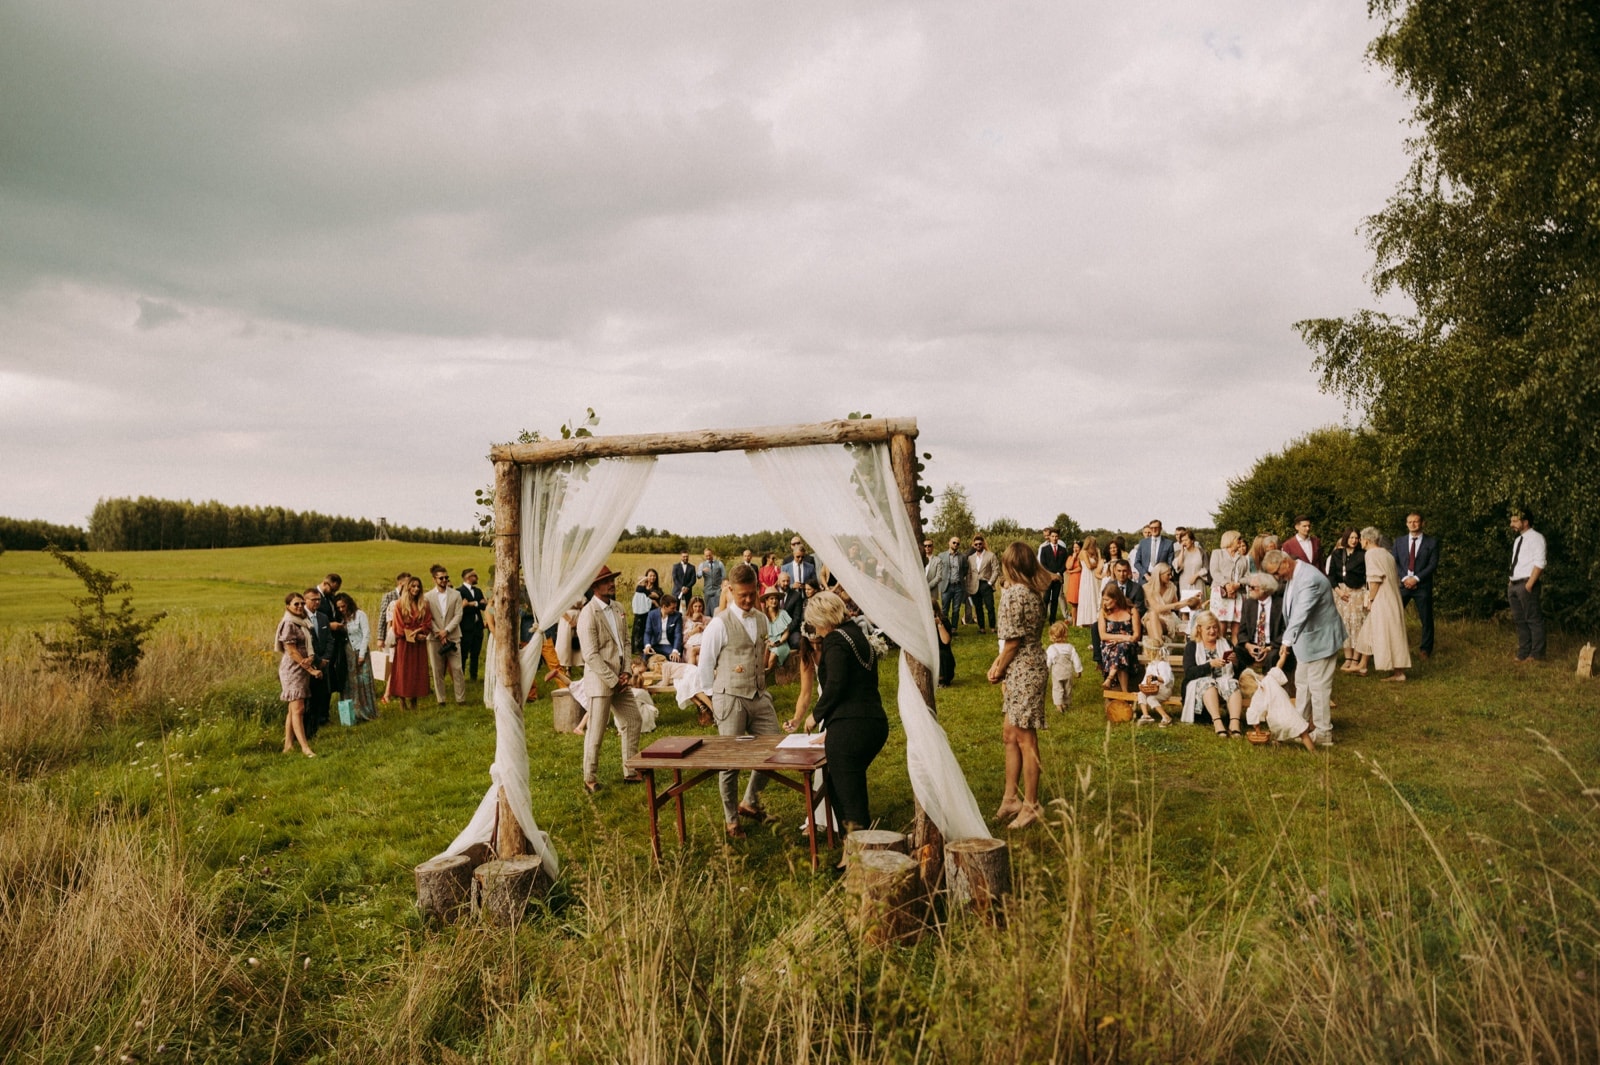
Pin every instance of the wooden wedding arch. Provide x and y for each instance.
(510, 460)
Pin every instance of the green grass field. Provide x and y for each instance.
(1425, 890)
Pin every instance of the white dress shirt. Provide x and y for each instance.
(1527, 555)
(716, 634)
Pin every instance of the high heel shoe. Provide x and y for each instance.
(1029, 813)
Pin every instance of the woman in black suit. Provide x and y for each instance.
(849, 709)
(1347, 572)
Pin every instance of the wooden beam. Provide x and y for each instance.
(509, 840)
(843, 431)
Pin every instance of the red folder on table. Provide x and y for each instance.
(672, 747)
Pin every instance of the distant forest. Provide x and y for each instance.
(147, 524)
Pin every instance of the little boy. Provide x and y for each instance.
(1065, 665)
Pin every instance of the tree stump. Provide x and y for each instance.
(564, 710)
(891, 897)
(977, 875)
(865, 840)
(503, 888)
(444, 887)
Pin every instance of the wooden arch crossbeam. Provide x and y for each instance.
(509, 460)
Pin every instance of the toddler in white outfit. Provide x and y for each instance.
(1159, 673)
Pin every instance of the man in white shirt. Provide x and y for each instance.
(445, 604)
(606, 681)
(1527, 566)
(733, 668)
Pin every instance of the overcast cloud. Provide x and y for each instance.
(322, 255)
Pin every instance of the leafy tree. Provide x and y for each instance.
(1486, 394)
(1068, 528)
(1329, 475)
(954, 514)
(104, 640)
(1001, 531)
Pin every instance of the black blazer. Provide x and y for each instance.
(849, 689)
(1247, 633)
(472, 602)
(1193, 670)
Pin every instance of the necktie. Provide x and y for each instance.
(1412, 565)
(1261, 621)
(1516, 550)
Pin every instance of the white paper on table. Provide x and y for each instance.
(802, 739)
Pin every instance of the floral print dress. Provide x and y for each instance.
(1028, 675)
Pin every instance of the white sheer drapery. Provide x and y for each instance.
(572, 516)
(837, 496)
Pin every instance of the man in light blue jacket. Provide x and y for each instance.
(1315, 632)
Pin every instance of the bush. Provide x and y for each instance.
(105, 641)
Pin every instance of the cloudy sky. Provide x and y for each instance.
(323, 255)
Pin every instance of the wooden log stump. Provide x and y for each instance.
(865, 840)
(891, 897)
(503, 888)
(977, 875)
(444, 887)
(564, 710)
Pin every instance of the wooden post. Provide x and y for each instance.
(927, 843)
(865, 841)
(509, 840)
(504, 887)
(978, 875)
(891, 898)
(444, 887)
(564, 710)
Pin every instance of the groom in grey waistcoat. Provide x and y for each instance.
(1314, 631)
(733, 668)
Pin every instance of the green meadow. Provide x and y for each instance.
(174, 888)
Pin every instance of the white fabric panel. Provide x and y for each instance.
(572, 516)
(837, 495)
(531, 658)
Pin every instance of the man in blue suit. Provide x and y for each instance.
(1416, 556)
(800, 569)
(1315, 633)
(1152, 548)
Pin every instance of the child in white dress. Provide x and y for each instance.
(1157, 675)
(1065, 665)
(1273, 705)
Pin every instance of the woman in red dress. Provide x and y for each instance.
(412, 624)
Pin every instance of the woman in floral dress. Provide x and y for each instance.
(1021, 665)
(1119, 638)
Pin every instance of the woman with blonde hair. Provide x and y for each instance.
(410, 627)
(1091, 576)
(1382, 640)
(1163, 608)
(1228, 569)
(1263, 543)
(1023, 667)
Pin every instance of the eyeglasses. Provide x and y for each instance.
(298, 602)
(795, 543)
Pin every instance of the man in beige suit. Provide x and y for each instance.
(445, 603)
(602, 639)
(733, 668)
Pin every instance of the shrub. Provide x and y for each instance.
(103, 640)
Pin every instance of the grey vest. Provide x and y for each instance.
(742, 664)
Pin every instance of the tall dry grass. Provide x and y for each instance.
(1326, 949)
(107, 947)
(46, 718)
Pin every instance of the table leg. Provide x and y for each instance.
(677, 788)
(811, 818)
(827, 810)
(650, 797)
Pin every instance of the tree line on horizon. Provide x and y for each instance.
(150, 524)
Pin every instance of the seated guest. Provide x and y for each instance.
(663, 630)
(694, 626)
(1208, 680)
(1163, 609)
(1119, 637)
(1122, 574)
(1261, 622)
(777, 627)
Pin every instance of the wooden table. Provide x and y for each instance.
(718, 754)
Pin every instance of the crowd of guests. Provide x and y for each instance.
(329, 649)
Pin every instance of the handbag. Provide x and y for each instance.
(347, 712)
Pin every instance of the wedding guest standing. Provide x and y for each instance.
(1053, 557)
(296, 670)
(1313, 633)
(473, 607)
(1228, 568)
(1090, 579)
(1527, 567)
(645, 596)
(1347, 572)
(985, 570)
(1189, 565)
(1416, 556)
(358, 652)
(1383, 638)
(1022, 666)
(1071, 582)
(411, 625)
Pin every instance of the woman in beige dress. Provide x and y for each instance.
(1382, 640)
